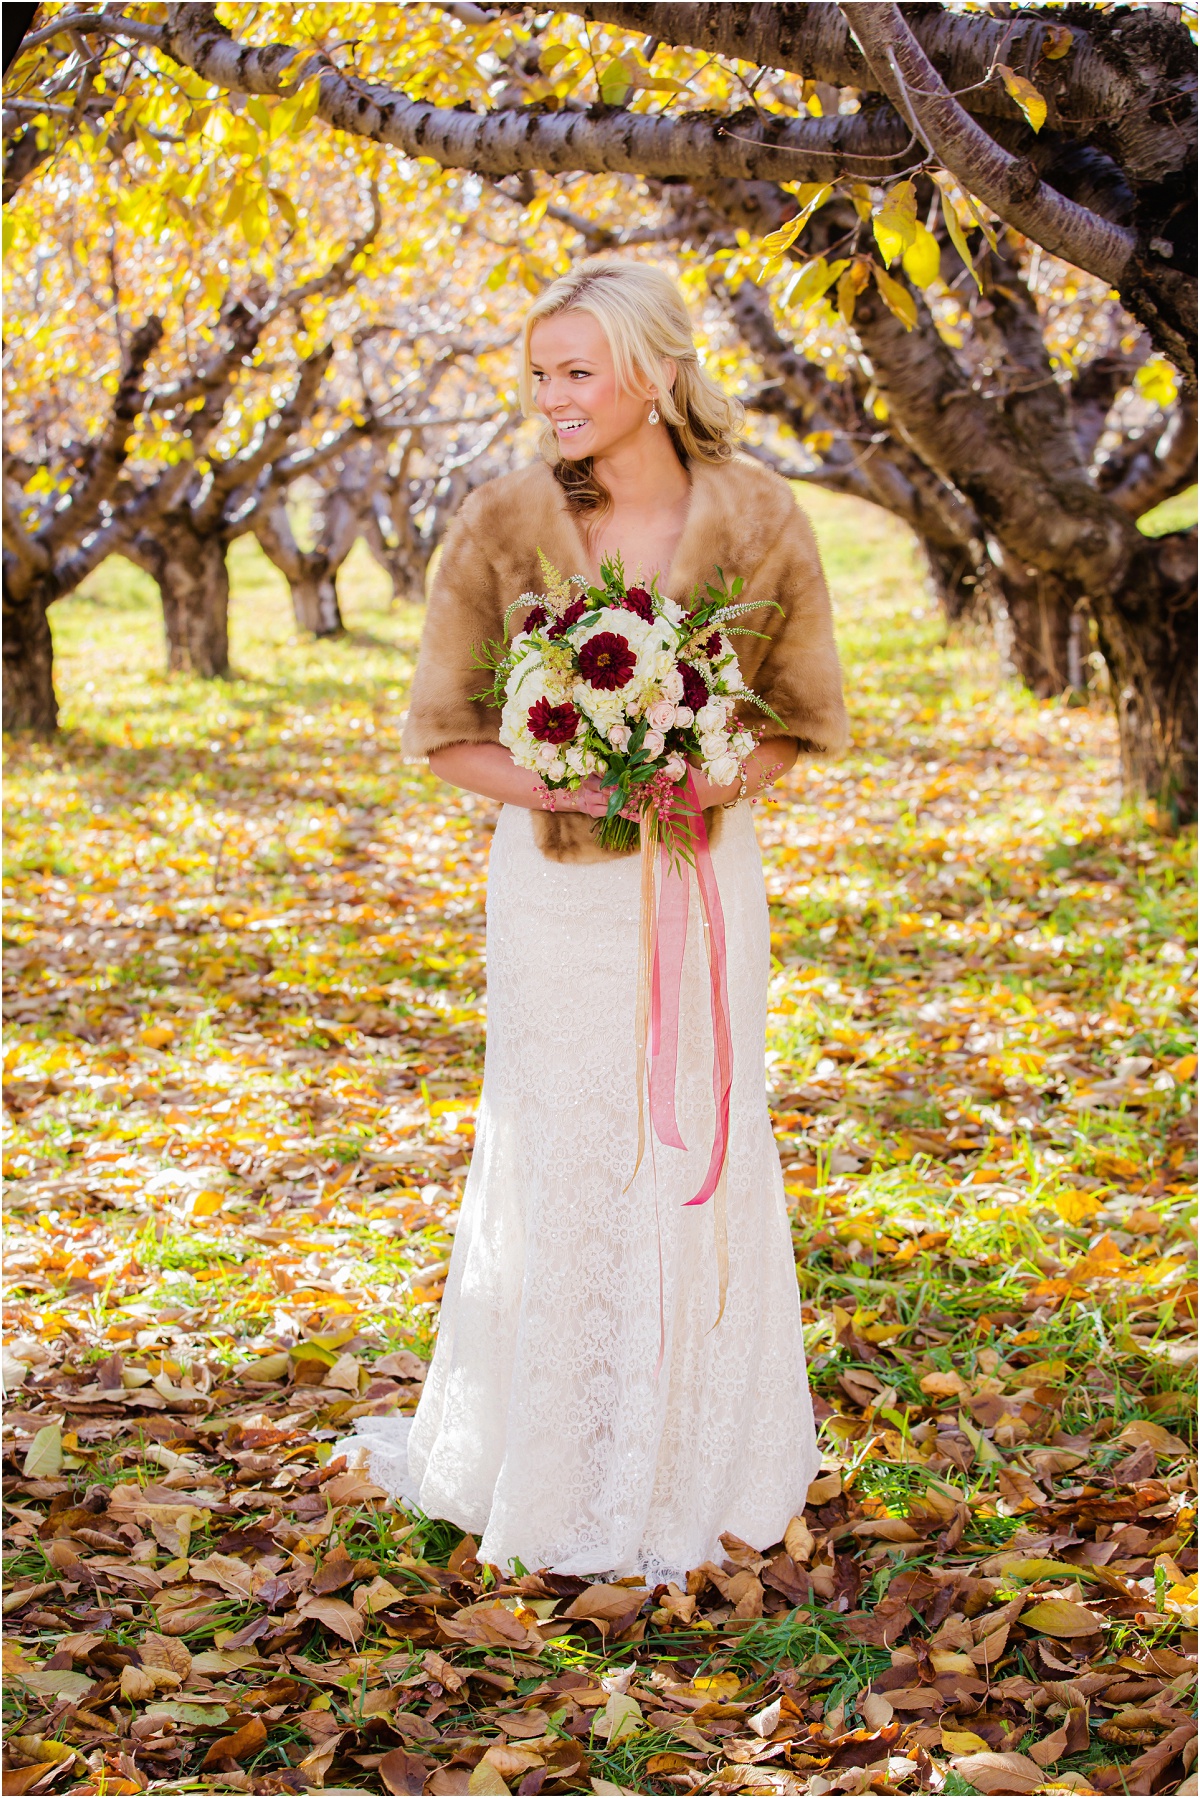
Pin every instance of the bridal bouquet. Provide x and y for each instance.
(620, 682)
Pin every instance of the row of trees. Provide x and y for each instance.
(948, 257)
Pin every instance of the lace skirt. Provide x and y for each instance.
(547, 1426)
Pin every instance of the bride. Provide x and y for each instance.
(582, 1413)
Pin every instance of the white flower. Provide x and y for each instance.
(603, 708)
(722, 771)
(684, 716)
(675, 767)
(653, 743)
(619, 735)
(672, 611)
(557, 768)
(575, 759)
(713, 747)
(545, 754)
(732, 676)
(661, 715)
(673, 686)
(711, 716)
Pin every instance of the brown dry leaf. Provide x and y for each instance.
(875, 1710)
(319, 1758)
(490, 1625)
(244, 1742)
(165, 1651)
(233, 1576)
(337, 1569)
(24, 1779)
(512, 1762)
(485, 1779)
(1009, 1774)
(799, 1540)
(334, 1613)
(440, 1670)
(1138, 1433)
(402, 1772)
(943, 1385)
(823, 1489)
(886, 1529)
(352, 1489)
(1051, 1748)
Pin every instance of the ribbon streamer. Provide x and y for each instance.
(662, 941)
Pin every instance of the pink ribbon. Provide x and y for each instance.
(663, 940)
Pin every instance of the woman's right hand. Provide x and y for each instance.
(589, 797)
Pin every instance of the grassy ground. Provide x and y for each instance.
(245, 979)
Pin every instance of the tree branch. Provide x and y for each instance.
(111, 449)
(228, 476)
(1126, 79)
(1008, 184)
(743, 146)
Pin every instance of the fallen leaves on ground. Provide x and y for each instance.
(245, 966)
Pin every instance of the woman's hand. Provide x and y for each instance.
(764, 765)
(589, 797)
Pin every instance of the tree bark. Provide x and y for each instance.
(314, 597)
(29, 700)
(194, 583)
(1147, 631)
(1044, 631)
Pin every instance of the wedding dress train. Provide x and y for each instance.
(547, 1426)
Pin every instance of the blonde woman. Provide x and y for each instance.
(548, 1427)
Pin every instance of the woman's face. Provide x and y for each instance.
(575, 385)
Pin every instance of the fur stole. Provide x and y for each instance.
(741, 518)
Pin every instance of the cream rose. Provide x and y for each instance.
(661, 715)
(653, 743)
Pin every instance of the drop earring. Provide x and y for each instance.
(653, 412)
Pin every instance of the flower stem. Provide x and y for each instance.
(617, 833)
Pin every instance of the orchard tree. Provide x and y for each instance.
(166, 439)
(895, 184)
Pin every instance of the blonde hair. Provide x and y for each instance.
(643, 316)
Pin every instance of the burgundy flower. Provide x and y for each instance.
(572, 615)
(535, 619)
(638, 600)
(695, 693)
(711, 644)
(552, 723)
(606, 661)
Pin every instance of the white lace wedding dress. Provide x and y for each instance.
(545, 1427)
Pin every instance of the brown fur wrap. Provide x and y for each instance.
(741, 518)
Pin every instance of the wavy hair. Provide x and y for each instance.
(643, 315)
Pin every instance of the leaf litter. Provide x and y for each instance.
(245, 989)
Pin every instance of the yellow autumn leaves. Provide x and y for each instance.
(899, 235)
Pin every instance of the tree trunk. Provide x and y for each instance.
(1045, 643)
(29, 702)
(314, 597)
(1147, 632)
(194, 583)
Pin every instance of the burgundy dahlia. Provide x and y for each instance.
(695, 693)
(638, 600)
(552, 723)
(711, 645)
(535, 618)
(606, 661)
(572, 615)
